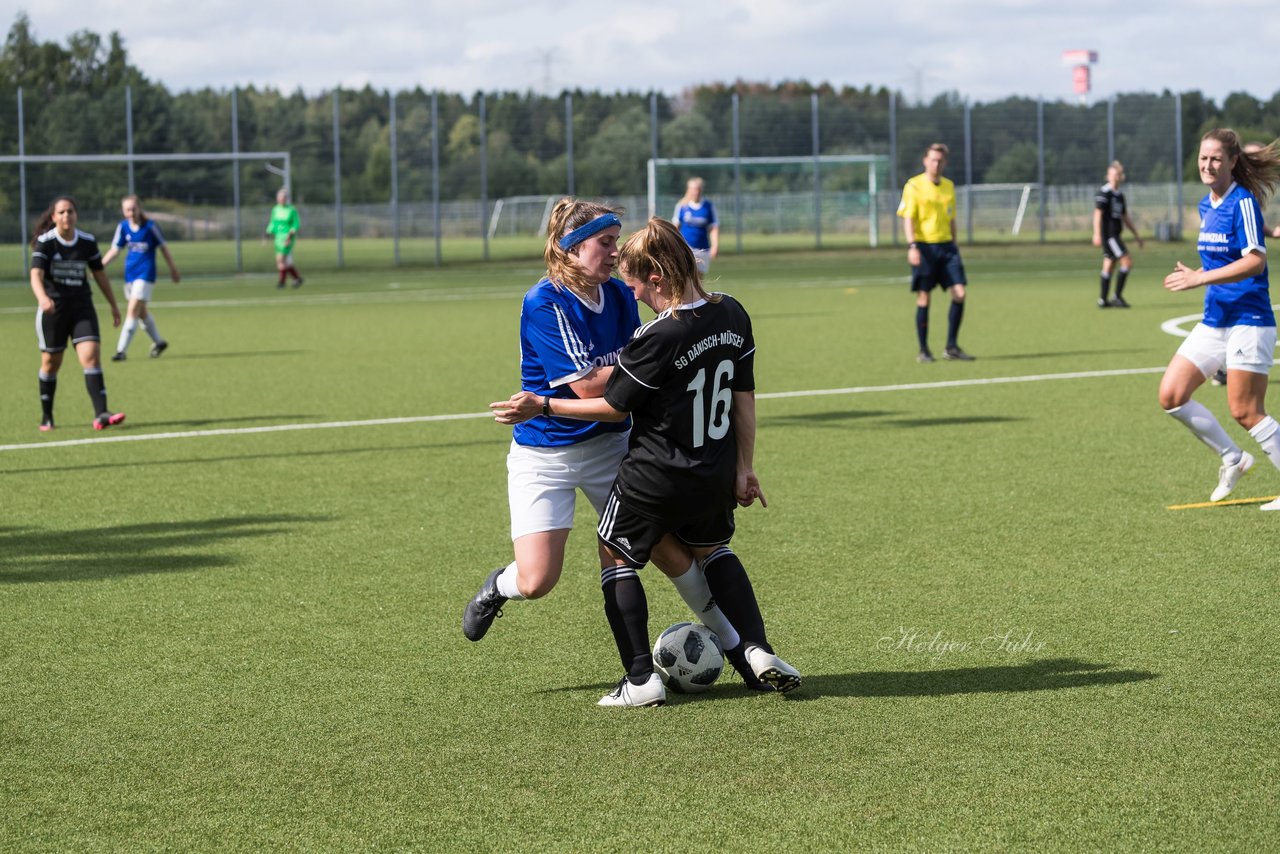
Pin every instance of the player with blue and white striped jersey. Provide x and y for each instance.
(140, 237)
(1238, 330)
(573, 324)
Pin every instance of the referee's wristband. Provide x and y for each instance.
(546, 406)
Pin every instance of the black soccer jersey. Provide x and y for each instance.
(66, 265)
(1111, 203)
(677, 378)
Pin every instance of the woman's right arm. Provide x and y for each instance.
(37, 287)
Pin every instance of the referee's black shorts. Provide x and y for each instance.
(939, 267)
(73, 321)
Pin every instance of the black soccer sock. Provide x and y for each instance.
(1120, 280)
(97, 386)
(627, 610)
(954, 316)
(731, 588)
(1105, 279)
(922, 326)
(48, 388)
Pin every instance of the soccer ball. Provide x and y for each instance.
(688, 657)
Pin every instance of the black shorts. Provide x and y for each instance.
(939, 267)
(75, 321)
(1114, 248)
(634, 535)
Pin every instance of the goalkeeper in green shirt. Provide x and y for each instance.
(283, 228)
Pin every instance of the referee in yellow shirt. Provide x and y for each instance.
(928, 212)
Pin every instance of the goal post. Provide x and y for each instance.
(776, 195)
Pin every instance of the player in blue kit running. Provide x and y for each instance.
(696, 218)
(63, 259)
(1238, 330)
(573, 324)
(140, 237)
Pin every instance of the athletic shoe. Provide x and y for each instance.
(738, 658)
(483, 607)
(298, 282)
(159, 348)
(108, 419)
(46, 425)
(1219, 378)
(280, 286)
(1229, 476)
(924, 357)
(771, 669)
(1271, 505)
(1102, 303)
(649, 693)
(1118, 302)
(955, 354)
(119, 356)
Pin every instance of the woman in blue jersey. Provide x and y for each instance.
(1238, 330)
(573, 324)
(695, 216)
(142, 238)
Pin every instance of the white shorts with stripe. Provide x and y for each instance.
(542, 483)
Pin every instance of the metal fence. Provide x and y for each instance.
(1026, 169)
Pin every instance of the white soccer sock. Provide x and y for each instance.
(1267, 434)
(150, 325)
(1200, 421)
(507, 582)
(693, 589)
(127, 329)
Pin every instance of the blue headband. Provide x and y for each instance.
(580, 234)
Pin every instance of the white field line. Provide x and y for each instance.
(424, 419)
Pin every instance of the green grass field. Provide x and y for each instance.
(219, 637)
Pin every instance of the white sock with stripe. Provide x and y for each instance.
(693, 589)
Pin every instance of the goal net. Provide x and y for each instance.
(806, 197)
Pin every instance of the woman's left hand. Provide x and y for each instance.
(520, 407)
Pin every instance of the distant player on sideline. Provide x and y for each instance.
(143, 238)
(1238, 329)
(928, 212)
(283, 228)
(62, 259)
(695, 216)
(1110, 216)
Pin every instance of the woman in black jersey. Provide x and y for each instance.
(62, 259)
(687, 381)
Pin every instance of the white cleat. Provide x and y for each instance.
(1271, 505)
(1229, 476)
(770, 669)
(650, 693)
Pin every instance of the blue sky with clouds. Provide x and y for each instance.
(984, 49)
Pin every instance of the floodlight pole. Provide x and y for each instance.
(235, 176)
(128, 131)
(435, 170)
(22, 188)
(737, 176)
(1177, 153)
(1040, 160)
(893, 151)
(817, 173)
(395, 184)
(1111, 129)
(484, 178)
(337, 179)
(568, 139)
(968, 171)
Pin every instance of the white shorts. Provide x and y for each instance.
(1237, 348)
(542, 482)
(703, 259)
(139, 289)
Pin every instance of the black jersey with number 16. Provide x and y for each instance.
(677, 377)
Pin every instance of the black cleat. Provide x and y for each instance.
(955, 354)
(119, 356)
(1119, 302)
(1219, 378)
(1103, 303)
(483, 607)
(159, 348)
(738, 658)
(924, 357)
(297, 283)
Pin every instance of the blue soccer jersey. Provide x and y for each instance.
(696, 223)
(1229, 230)
(562, 338)
(142, 243)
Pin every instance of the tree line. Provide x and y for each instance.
(73, 100)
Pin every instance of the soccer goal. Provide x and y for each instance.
(828, 194)
(521, 216)
(995, 207)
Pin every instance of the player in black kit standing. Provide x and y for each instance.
(1110, 216)
(62, 260)
(687, 379)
